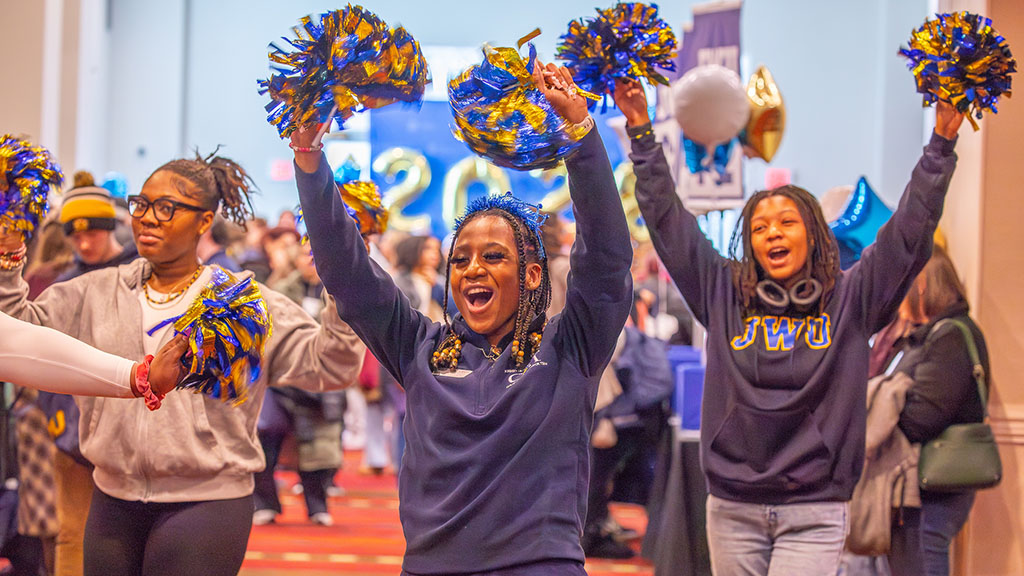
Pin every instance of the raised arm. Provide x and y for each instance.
(367, 298)
(600, 288)
(887, 268)
(691, 259)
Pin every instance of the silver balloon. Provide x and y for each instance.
(711, 105)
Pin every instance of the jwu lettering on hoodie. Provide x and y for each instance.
(783, 332)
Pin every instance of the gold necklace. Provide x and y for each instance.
(174, 295)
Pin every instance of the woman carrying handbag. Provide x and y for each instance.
(936, 353)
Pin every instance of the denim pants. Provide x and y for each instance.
(942, 516)
(776, 540)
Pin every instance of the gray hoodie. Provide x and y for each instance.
(194, 447)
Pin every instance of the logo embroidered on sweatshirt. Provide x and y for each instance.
(515, 375)
(459, 373)
(782, 333)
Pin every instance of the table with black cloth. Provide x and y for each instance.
(676, 540)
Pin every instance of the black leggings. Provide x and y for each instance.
(166, 539)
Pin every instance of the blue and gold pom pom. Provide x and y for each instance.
(363, 202)
(628, 40)
(27, 174)
(343, 62)
(959, 58)
(502, 115)
(227, 327)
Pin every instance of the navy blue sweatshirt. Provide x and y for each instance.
(783, 413)
(496, 466)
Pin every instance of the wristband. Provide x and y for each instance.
(644, 132)
(316, 148)
(586, 125)
(12, 260)
(142, 384)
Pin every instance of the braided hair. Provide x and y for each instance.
(216, 182)
(822, 258)
(533, 304)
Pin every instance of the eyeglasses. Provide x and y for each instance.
(163, 208)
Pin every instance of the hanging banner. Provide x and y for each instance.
(712, 39)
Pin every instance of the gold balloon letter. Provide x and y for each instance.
(626, 181)
(767, 116)
(390, 163)
(557, 200)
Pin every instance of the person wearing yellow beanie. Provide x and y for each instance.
(88, 217)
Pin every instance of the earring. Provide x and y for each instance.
(773, 296)
(805, 293)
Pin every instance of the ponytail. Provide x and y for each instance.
(217, 182)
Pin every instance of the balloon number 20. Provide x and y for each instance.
(394, 162)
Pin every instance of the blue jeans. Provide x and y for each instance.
(942, 516)
(776, 540)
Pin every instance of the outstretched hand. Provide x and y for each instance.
(947, 120)
(166, 370)
(557, 85)
(632, 101)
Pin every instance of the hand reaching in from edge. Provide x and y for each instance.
(166, 370)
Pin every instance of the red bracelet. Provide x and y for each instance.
(142, 384)
(316, 148)
(13, 259)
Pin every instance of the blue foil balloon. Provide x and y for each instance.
(856, 228)
(117, 184)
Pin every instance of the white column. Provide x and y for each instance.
(93, 91)
(53, 28)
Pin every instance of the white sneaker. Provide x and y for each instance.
(263, 517)
(322, 519)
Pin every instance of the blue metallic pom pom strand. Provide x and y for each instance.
(27, 174)
(341, 63)
(227, 327)
(959, 58)
(628, 40)
(501, 114)
(529, 214)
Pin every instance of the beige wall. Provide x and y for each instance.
(68, 104)
(985, 225)
(21, 23)
(27, 109)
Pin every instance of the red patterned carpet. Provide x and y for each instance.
(367, 538)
